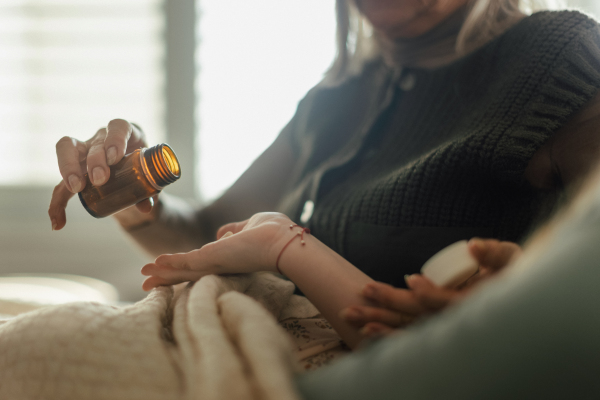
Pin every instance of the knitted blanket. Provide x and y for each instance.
(215, 339)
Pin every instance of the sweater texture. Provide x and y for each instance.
(400, 163)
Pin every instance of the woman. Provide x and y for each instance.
(463, 122)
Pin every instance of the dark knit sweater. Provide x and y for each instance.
(396, 174)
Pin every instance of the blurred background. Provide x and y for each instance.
(216, 80)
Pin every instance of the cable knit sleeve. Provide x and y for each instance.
(560, 56)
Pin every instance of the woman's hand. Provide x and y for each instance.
(396, 308)
(254, 246)
(94, 156)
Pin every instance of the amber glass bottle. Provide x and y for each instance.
(138, 176)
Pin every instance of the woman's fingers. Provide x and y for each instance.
(106, 148)
(397, 307)
(430, 296)
(375, 329)
(58, 204)
(118, 132)
(97, 167)
(94, 156)
(70, 153)
(493, 253)
(145, 206)
(137, 139)
(359, 316)
(392, 298)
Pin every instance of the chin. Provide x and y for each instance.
(395, 18)
(405, 30)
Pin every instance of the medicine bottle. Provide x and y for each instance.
(138, 176)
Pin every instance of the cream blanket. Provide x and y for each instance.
(201, 341)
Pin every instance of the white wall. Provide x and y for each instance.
(86, 246)
(591, 7)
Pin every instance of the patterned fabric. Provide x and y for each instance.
(317, 344)
(399, 163)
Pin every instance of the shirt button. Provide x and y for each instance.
(307, 211)
(408, 82)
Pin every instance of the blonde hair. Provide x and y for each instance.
(486, 20)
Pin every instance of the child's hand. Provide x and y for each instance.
(254, 246)
(394, 308)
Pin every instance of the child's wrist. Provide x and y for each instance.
(293, 246)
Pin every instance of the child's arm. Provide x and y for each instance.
(329, 281)
(395, 308)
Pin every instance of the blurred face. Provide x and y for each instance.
(407, 18)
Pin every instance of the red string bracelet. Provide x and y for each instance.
(301, 234)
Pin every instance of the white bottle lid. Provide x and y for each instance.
(451, 266)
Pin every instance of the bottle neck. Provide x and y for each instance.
(160, 165)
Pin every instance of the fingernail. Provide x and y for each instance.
(412, 281)
(364, 331)
(226, 235)
(54, 225)
(372, 332)
(98, 175)
(151, 202)
(370, 292)
(111, 155)
(415, 281)
(475, 242)
(352, 313)
(75, 183)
